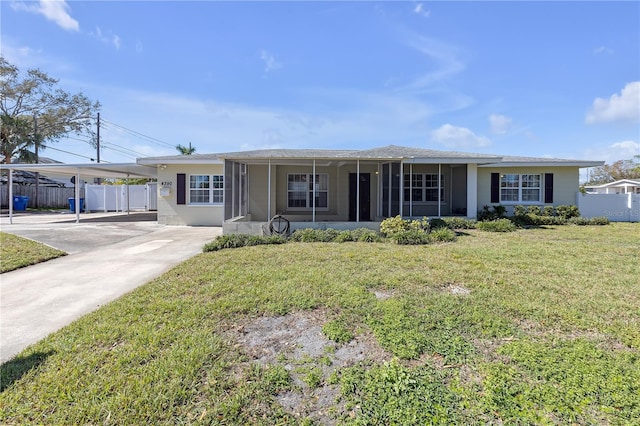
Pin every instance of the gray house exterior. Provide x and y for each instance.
(242, 191)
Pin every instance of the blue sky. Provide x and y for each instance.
(552, 79)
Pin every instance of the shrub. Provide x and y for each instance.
(241, 240)
(344, 236)
(311, 235)
(567, 212)
(534, 210)
(393, 225)
(437, 222)
(459, 223)
(491, 213)
(519, 210)
(411, 237)
(548, 211)
(599, 220)
(498, 225)
(442, 234)
(365, 235)
(583, 221)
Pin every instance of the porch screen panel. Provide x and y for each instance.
(228, 189)
(390, 189)
(395, 189)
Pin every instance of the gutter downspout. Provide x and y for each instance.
(313, 210)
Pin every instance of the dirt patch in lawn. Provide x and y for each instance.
(296, 342)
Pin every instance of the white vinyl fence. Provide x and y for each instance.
(617, 207)
(114, 198)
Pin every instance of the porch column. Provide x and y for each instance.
(269, 190)
(439, 194)
(233, 188)
(472, 191)
(11, 196)
(313, 211)
(411, 190)
(401, 185)
(357, 191)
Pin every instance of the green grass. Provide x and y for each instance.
(549, 333)
(17, 252)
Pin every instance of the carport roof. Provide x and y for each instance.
(98, 170)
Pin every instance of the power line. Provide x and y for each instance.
(69, 152)
(141, 135)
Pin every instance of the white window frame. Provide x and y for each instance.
(308, 190)
(423, 188)
(519, 187)
(214, 191)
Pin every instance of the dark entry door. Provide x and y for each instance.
(365, 196)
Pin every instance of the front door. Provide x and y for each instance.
(365, 197)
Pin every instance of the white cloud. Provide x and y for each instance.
(53, 10)
(619, 107)
(500, 124)
(420, 10)
(603, 50)
(139, 46)
(109, 38)
(624, 150)
(458, 137)
(270, 63)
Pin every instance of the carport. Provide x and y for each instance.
(80, 171)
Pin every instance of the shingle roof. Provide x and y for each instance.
(391, 152)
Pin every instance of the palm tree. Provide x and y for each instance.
(184, 150)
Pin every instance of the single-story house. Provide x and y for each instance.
(623, 186)
(243, 191)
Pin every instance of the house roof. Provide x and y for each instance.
(618, 183)
(390, 152)
(91, 170)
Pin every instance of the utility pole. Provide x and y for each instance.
(35, 137)
(98, 140)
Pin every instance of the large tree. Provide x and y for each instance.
(621, 169)
(33, 101)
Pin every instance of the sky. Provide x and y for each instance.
(540, 79)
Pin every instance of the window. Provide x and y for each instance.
(520, 188)
(206, 189)
(424, 187)
(300, 191)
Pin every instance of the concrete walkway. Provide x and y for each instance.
(107, 259)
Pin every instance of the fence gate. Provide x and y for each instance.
(114, 198)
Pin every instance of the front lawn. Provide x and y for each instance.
(538, 326)
(17, 252)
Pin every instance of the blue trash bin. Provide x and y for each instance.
(20, 203)
(72, 204)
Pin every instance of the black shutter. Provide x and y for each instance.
(181, 189)
(548, 187)
(495, 187)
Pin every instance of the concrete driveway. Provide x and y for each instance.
(109, 255)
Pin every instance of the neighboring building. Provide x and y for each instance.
(349, 188)
(624, 186)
